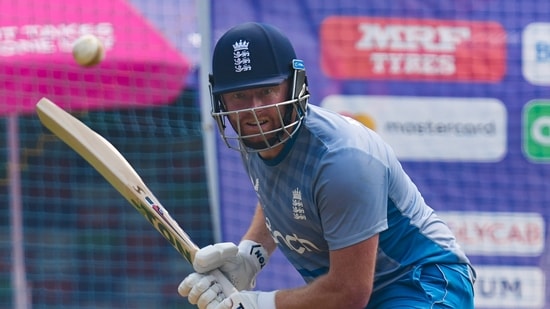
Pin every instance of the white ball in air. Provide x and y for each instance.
(88, 50)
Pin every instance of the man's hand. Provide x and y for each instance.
(205, 292)
(239, 264)
(201, 290)
(249, 300)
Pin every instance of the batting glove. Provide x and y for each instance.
(201, 290)
(249, 300)
(239, 264)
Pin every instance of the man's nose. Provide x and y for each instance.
(256, 101)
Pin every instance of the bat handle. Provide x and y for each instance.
(227, 286)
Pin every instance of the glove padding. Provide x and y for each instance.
(249, 300)
(239, 264)
(201, 290)
(205, 292)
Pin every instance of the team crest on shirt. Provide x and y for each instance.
(298, 211)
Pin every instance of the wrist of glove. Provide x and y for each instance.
(239, 264)
(249, 300)
(204, 291)
(242, 270)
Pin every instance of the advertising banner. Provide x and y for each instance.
(461, 91)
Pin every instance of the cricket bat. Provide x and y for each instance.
(110, 163)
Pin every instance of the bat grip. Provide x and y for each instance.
(227, 286)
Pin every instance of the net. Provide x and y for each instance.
(83, 245)
(460, 89)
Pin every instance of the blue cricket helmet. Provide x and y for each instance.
(251, 55)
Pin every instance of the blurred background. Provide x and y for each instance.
(460, 89)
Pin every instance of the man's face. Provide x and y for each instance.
(254, 117)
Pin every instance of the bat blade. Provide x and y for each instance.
(112, 165)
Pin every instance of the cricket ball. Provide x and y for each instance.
(88, 50)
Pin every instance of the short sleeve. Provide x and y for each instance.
(352, 196)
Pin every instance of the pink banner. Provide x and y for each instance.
(140, 67)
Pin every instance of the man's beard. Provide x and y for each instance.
(264, 143)
(272, 139)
